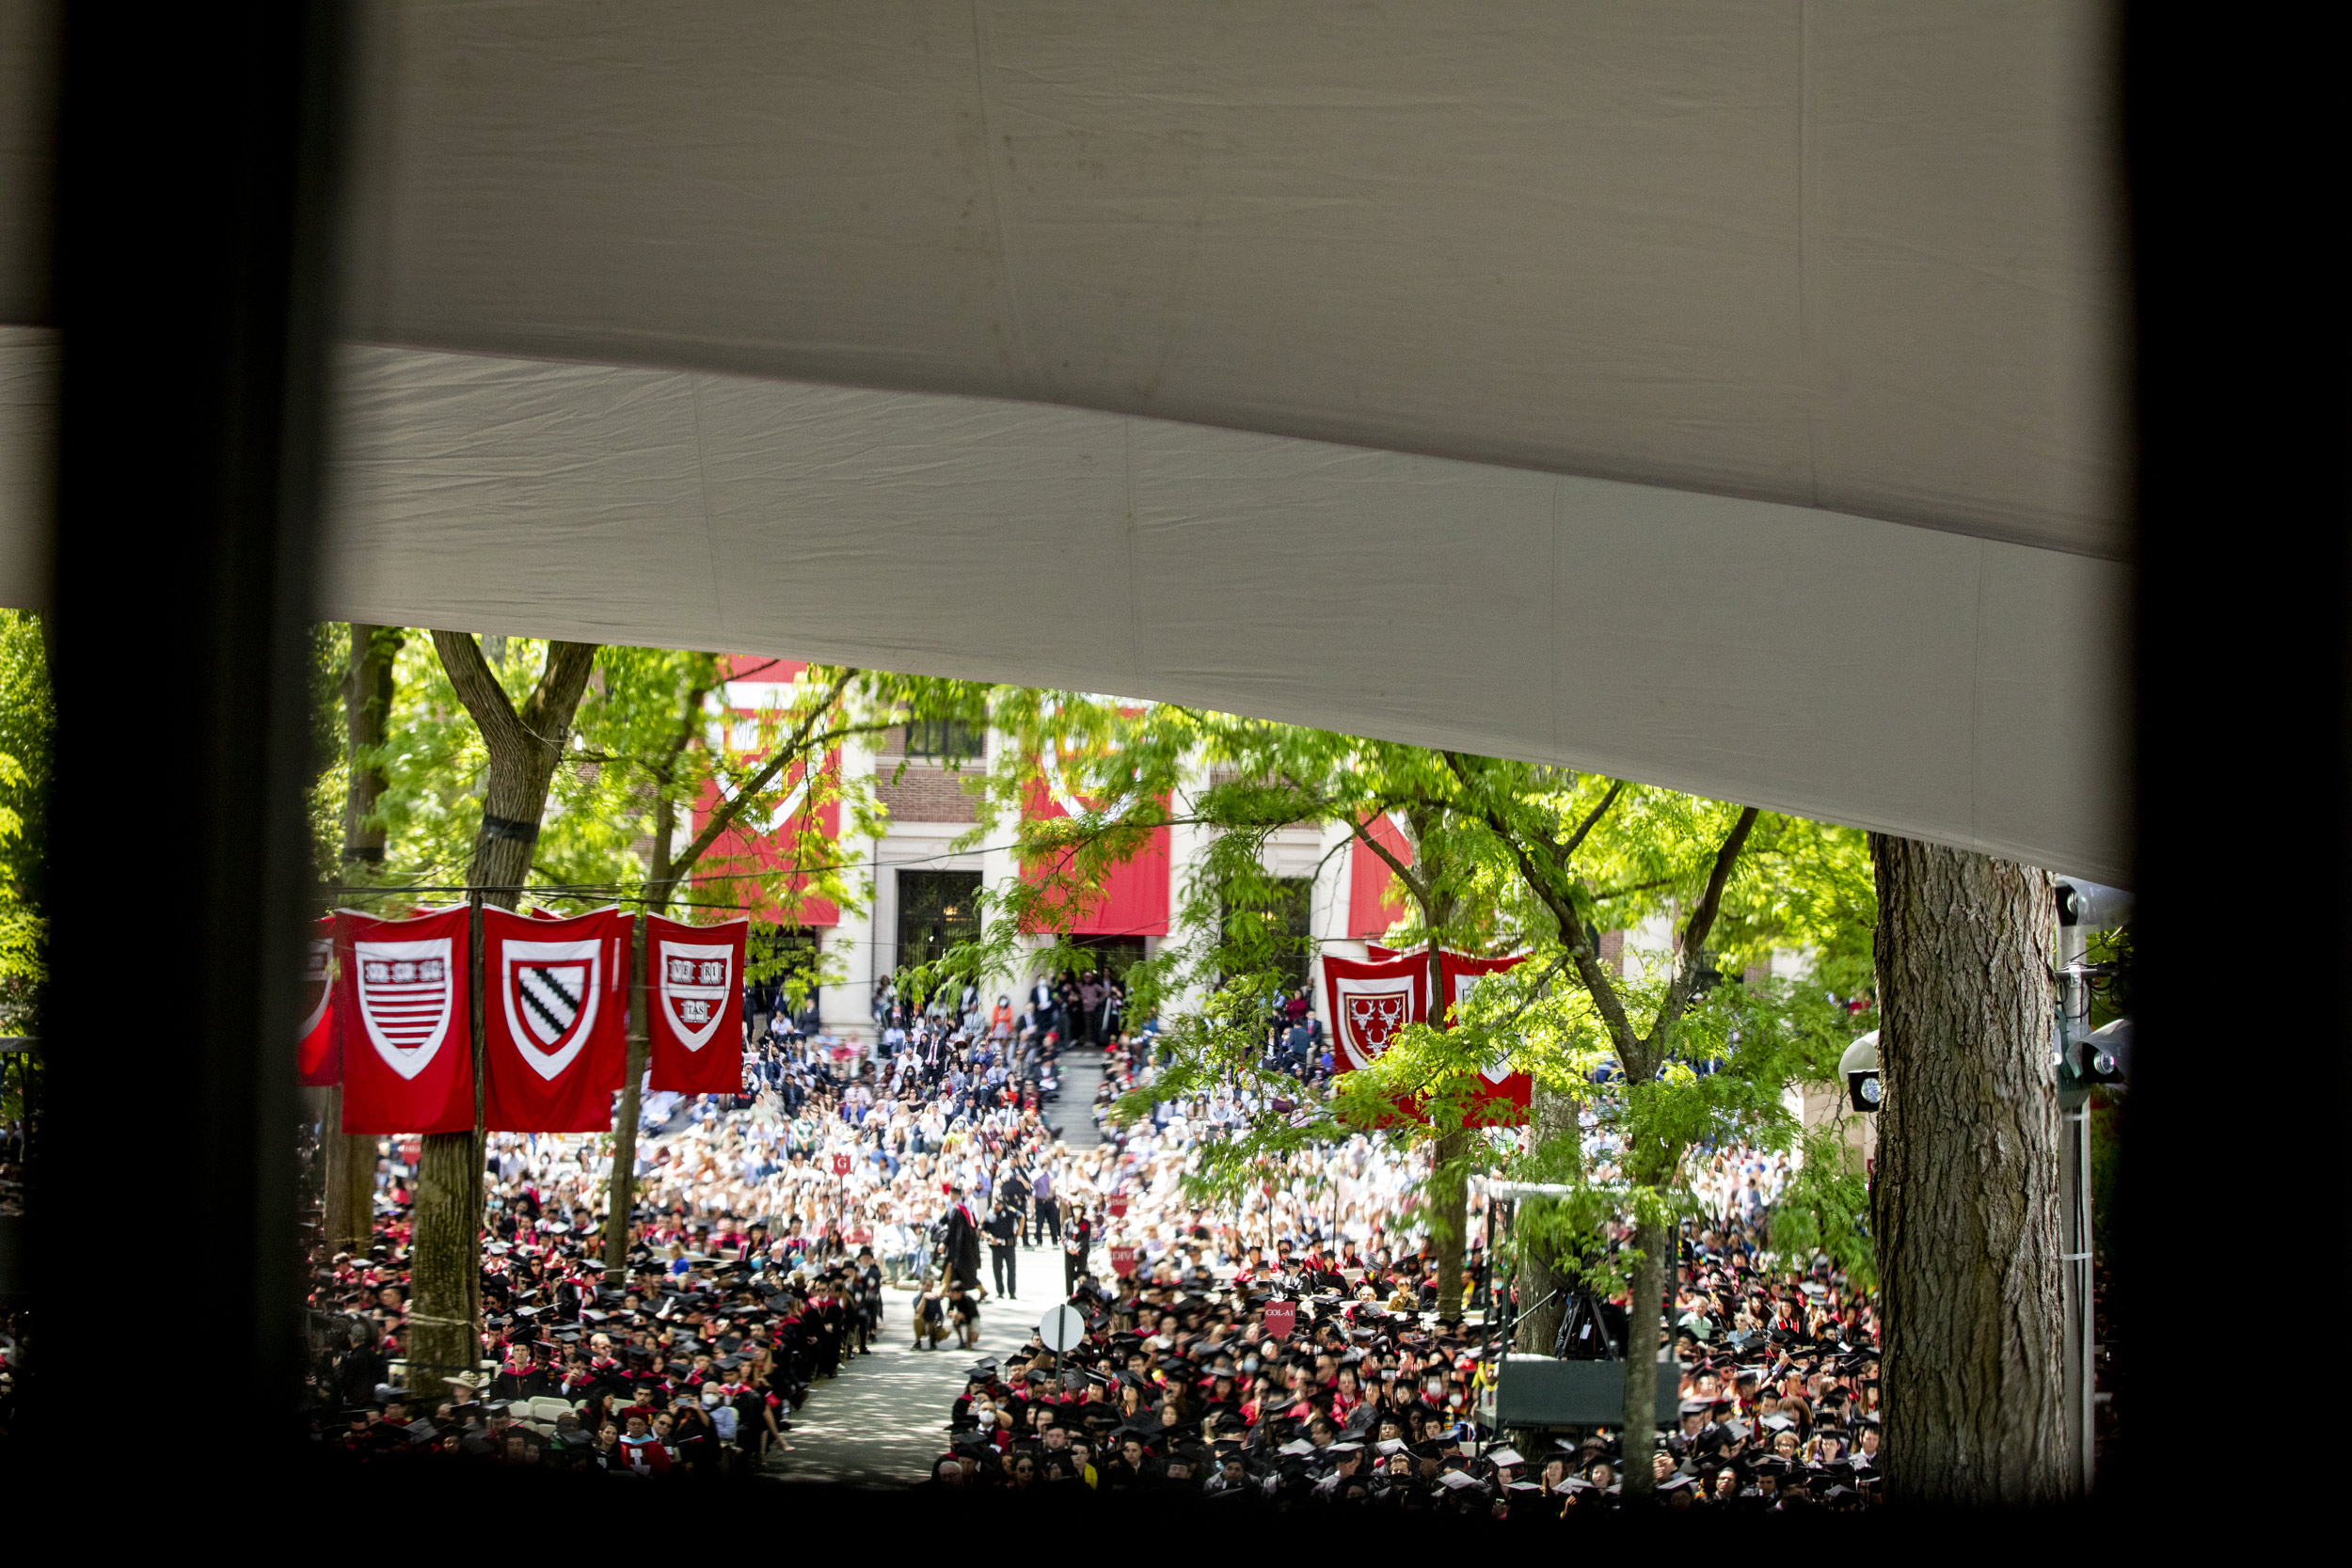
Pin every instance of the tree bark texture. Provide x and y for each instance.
(1554, 1115)
(350, 1201)
(445, 1251)
(1644, 1325)
(367, 709)
(621, 1185)
(1449, 1220)
(1965, 1203)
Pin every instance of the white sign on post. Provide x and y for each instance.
(1062, 1328)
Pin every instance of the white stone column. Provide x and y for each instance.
(845, 1006)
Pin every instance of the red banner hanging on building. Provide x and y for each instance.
(694, 985)
(318, 1049)
(553, 1039)
(1131, 901)
(1499, 1085)
(1372, 904)
(408, 1034)
(763, 851)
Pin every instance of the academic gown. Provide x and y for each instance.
(962, 1249)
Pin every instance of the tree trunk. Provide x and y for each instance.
(1643, 1324)
(621, 1185)
(1554, 1115)
(1449, 1184)
(445, 1258)
(1449, 1220)
(367, 713)
(1966, 1205)
(444, 1264)
(349, 1216)
(350, 1209)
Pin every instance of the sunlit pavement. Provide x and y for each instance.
(884, 1420)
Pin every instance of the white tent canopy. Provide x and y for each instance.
(1720, 395)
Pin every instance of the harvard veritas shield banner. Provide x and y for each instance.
(318, 1049)
(407, 1041)
(553, 1046)
(1370, 1003)
(694, 985)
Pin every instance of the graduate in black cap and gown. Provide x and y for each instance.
(961, 1245)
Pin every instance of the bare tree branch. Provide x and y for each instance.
(557, 691)
(1576, 839)
(570, 665)
(478, 688)
(732, 807)
(1702, 921)
(1550, 883)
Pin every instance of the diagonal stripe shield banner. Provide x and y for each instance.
(553, 989)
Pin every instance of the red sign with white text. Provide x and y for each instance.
(1280, 1318)
(1122, 1260)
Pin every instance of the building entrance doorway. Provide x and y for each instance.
(936, 910)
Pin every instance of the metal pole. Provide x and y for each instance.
(479, 1044)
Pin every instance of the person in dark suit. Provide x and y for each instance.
(1080, 1233)
(1004, 1248)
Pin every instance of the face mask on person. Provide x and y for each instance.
(711, 1396)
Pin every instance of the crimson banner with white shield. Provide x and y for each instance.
(1370, 1002)
(318, 1049)
(1503, 1095)
(407, 1040)
(554, 1044)
(694, 978)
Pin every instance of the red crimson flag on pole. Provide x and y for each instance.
(1372, 903)
(694, 975)
(318, 1052)
(1504, 1095)
(554, 1036)
(407, 1040)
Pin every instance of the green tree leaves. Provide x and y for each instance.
(28, 723)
